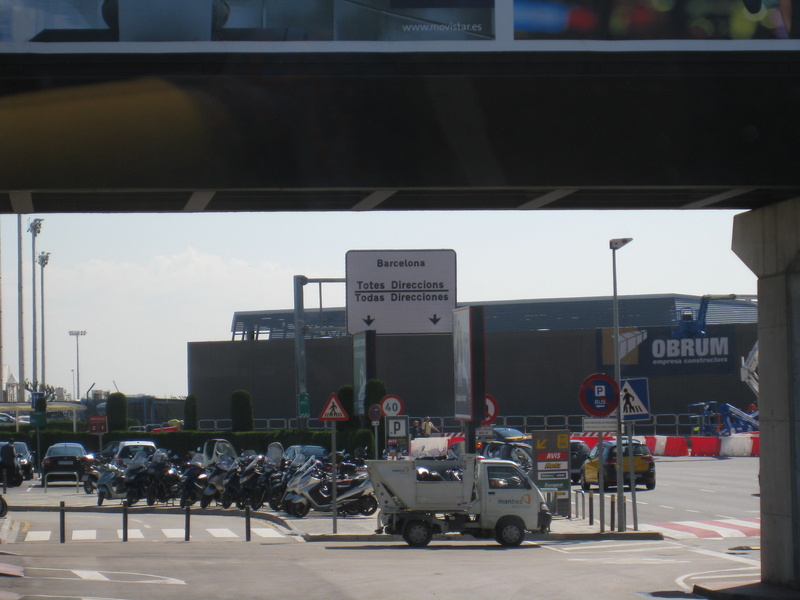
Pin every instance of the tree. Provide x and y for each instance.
(190, 413)
(117, 412)
(346, 397)
(241, 411)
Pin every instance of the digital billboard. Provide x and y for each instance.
(392, 25)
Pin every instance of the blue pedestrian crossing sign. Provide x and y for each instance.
(633, 400)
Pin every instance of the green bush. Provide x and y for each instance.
(117, 412)
(241, 411)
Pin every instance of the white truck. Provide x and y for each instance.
(480, 497)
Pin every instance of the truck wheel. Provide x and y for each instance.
(417, 534)
(651, 485)
(509, 531)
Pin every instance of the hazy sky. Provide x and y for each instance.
(143, 286)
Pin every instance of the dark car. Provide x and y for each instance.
(24, 459)
(63, 459)
(578, 453)
(301, 452)
(510, 434)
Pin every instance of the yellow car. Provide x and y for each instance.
(644, 466)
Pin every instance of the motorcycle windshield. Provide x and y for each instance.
(225, 463)
(275, 453)
(139, 459)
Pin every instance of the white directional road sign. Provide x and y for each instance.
(400, 291)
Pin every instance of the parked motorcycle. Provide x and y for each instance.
(111, 483)
(91, 472)
(230, 483)
(256, 479)
(164, 480)
(193, 481)
(136, 478)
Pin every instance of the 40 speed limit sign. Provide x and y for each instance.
(392, 405)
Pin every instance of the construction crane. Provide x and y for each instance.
(691, 323)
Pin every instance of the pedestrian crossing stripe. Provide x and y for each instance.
(137, 534)
(333, 410)
(630, 401)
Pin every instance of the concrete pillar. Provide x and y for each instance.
(768, 242)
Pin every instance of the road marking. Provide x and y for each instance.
(174, 533)
(222, 533)
(84, 534)
(727, 528)
(133, 534)
(37, 536)
(90, 575)
(266, 532)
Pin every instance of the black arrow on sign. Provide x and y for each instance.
(369, 320)
(434, 319)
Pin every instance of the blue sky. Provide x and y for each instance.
(144, 285)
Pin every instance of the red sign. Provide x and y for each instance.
(333, 411)
(599, 395)
(392, 405)
(492, 410)
(98, 425)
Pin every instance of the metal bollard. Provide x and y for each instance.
(591, 508)
(247, 523)
(5, 481)
(124, 520)
(613, 510)
(186, 534)
(62, 525)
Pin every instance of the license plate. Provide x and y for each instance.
(65, 462)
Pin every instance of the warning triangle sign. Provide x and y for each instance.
(630, 402)
(333, 410)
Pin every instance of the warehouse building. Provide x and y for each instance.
(537, 354)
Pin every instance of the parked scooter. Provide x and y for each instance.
(256, 479)
(136, 479)
(230, 484)
(111, 483)
(312, 487)
(215, 481)
(3, 507)
(164, 480)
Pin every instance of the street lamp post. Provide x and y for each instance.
(44, 258)
(615, 245)
(35, 228)
(77, 335)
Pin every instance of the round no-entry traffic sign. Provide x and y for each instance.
(375, 412)
(492, 408)
(599, 395)
(392, 405)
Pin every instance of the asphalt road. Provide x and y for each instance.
(215, 565)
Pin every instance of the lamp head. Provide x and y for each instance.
(618, 243)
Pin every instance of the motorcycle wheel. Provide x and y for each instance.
(256, 501)
(367, 505)
(101, 495)
(299, 509)
(133, 497)
(243, 499)
(90, 485)
(3, 507)
(187, 499)
(205, 500)
(151, 496)
(275, 501)
(227, 500)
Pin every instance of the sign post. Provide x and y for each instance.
(599, 396)
(333, 411)
(375, 413)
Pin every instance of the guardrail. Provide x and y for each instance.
(683, 424)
